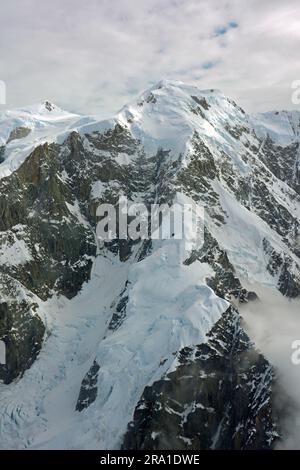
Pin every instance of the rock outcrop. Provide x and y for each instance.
(218, 396)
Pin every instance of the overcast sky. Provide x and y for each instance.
(94, 56)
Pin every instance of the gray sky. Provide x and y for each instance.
(94, 56)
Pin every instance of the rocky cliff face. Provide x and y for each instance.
(143, 332)
(218, 397)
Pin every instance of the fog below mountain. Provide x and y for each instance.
(273, 322)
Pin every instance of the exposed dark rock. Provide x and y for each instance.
(282, 161)
(49, 106)
(2, 150)
(225, 282)
(218, 397)
(286, 269)
(88, 391)
(37, 199)
(202, 102)
(119, 309)
(21, 329)
(18, 133)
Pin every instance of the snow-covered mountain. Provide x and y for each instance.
(21, 130)
(141, 344)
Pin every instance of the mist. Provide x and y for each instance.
(273, 323)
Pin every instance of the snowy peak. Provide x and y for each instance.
(23, 129)
(175, 109)
(170, 112)
(181, 97)
(40, 111)
(282, 126)
(49, 106)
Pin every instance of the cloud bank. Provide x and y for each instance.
(273, 323)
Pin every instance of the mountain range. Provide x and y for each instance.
(142, 344)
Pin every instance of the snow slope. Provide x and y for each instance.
(38, 410)
(283, 127)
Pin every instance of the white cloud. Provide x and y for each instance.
(273, 322)
(93, 56)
